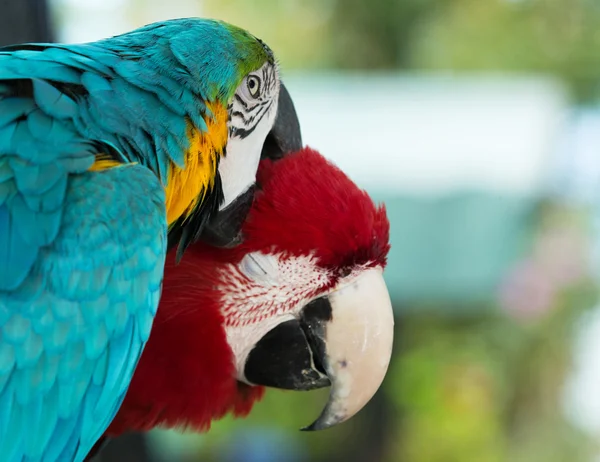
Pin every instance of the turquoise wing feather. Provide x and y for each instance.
(73, 331)
(81, 252)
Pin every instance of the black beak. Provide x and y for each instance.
(291, 355)
(224, 228)
(285, 135)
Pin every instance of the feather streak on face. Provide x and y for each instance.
(278, 287)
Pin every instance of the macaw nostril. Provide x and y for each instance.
(224, 228)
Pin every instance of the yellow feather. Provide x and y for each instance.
(103, 162)
(189, 185)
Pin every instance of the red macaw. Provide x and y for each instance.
(300, 304)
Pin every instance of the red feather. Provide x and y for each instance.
(309, 205)
(186, 375)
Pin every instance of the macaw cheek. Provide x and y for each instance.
(343, 339)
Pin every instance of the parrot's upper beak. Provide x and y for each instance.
(343, 339)
(285, 136)
(224, 228)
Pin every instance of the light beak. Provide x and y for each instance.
(343, 339)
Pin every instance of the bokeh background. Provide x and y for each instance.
(478, 123)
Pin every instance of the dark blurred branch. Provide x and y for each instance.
(127, 448)
(24, 21)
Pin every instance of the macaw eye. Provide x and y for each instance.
(253, 86)
(258, 266)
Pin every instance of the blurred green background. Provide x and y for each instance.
(477, 122)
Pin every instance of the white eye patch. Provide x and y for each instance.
(260, 267)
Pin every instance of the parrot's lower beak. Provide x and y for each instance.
(224, 228)
(343, 339)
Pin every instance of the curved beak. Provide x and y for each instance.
(285, 136)
(343, 339)
(224, 227)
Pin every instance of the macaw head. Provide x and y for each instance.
(300, 304)
(226, 84)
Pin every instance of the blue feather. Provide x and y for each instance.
(7, 358)
(16, 256)
(52, 101)
(94, 82)
(34, 178)
(43, 323)
(57, 338)
(6, 404)
(28, 353)
(117, 369)
(102, 64)
(11, 446)
(71, 444)
(6, 172)
(13, 108)
(36, 228)
(43, 127)
(23, 143)
(50, 372)
(51, 200)
(16, 330)
(63, 440)
(6, 135)
(33, 418)
(47, 421)
(96, 342)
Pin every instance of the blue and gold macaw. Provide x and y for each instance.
(110, 153)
